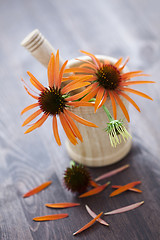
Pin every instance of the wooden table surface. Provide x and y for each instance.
(115, 28)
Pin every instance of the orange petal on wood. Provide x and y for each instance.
(62, 205)
(30, 107)
(92, 214)
(131, 189)
(111, 173)
(94, 191)
(125, 209)
(37, 189)
(135, 92)
(81, 120)
(94, 184)
(88, 224)
(50, 217)
(124, 188)
(129, 99)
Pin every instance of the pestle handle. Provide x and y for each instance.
(39, 47)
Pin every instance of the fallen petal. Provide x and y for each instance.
(111, 173)
(124, 188)
(61, 205)
(94, 184)
(37, 189)
(130, 189)
(50, 217)
(93, 214)
(94, 191)
(88, 224)
(125, 209)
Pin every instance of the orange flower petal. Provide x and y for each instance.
(129, 99)
(33, 96)
(111, 173)
(135, 92)
(61, 73)
(128, 75)
(31, 117)
(126, 61)
(79, 70)
(135, 82)
(35, 82)
(93, 57)
(56, 70)
(51, 217)
(78, 104)
(55, 130)
(94, 184)
(124, 188)
(81, 120)
(61, 205)
(81, 94)
(74, 127)
(91, 94)
(67, 129)
(38, 123)
(51, 71)
(75, 86)
(90, 64)
(37, 189)
(92, 214)
(29, 107)
(88, 224)
(99, 97)
(103, 100)
(122, 106)
(118, 63)
(113, 104)
(131, 189)
(94, 191)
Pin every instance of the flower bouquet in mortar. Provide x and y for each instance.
(81, 89)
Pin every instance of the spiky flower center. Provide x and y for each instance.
(108, 77)
(77, 178)
(51, 101)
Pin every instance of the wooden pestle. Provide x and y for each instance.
(39, 47)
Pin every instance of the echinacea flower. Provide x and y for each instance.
(108, 81)
(53, 101)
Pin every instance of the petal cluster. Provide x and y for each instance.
(108, 80)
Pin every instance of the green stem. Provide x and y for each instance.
(108, 113)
